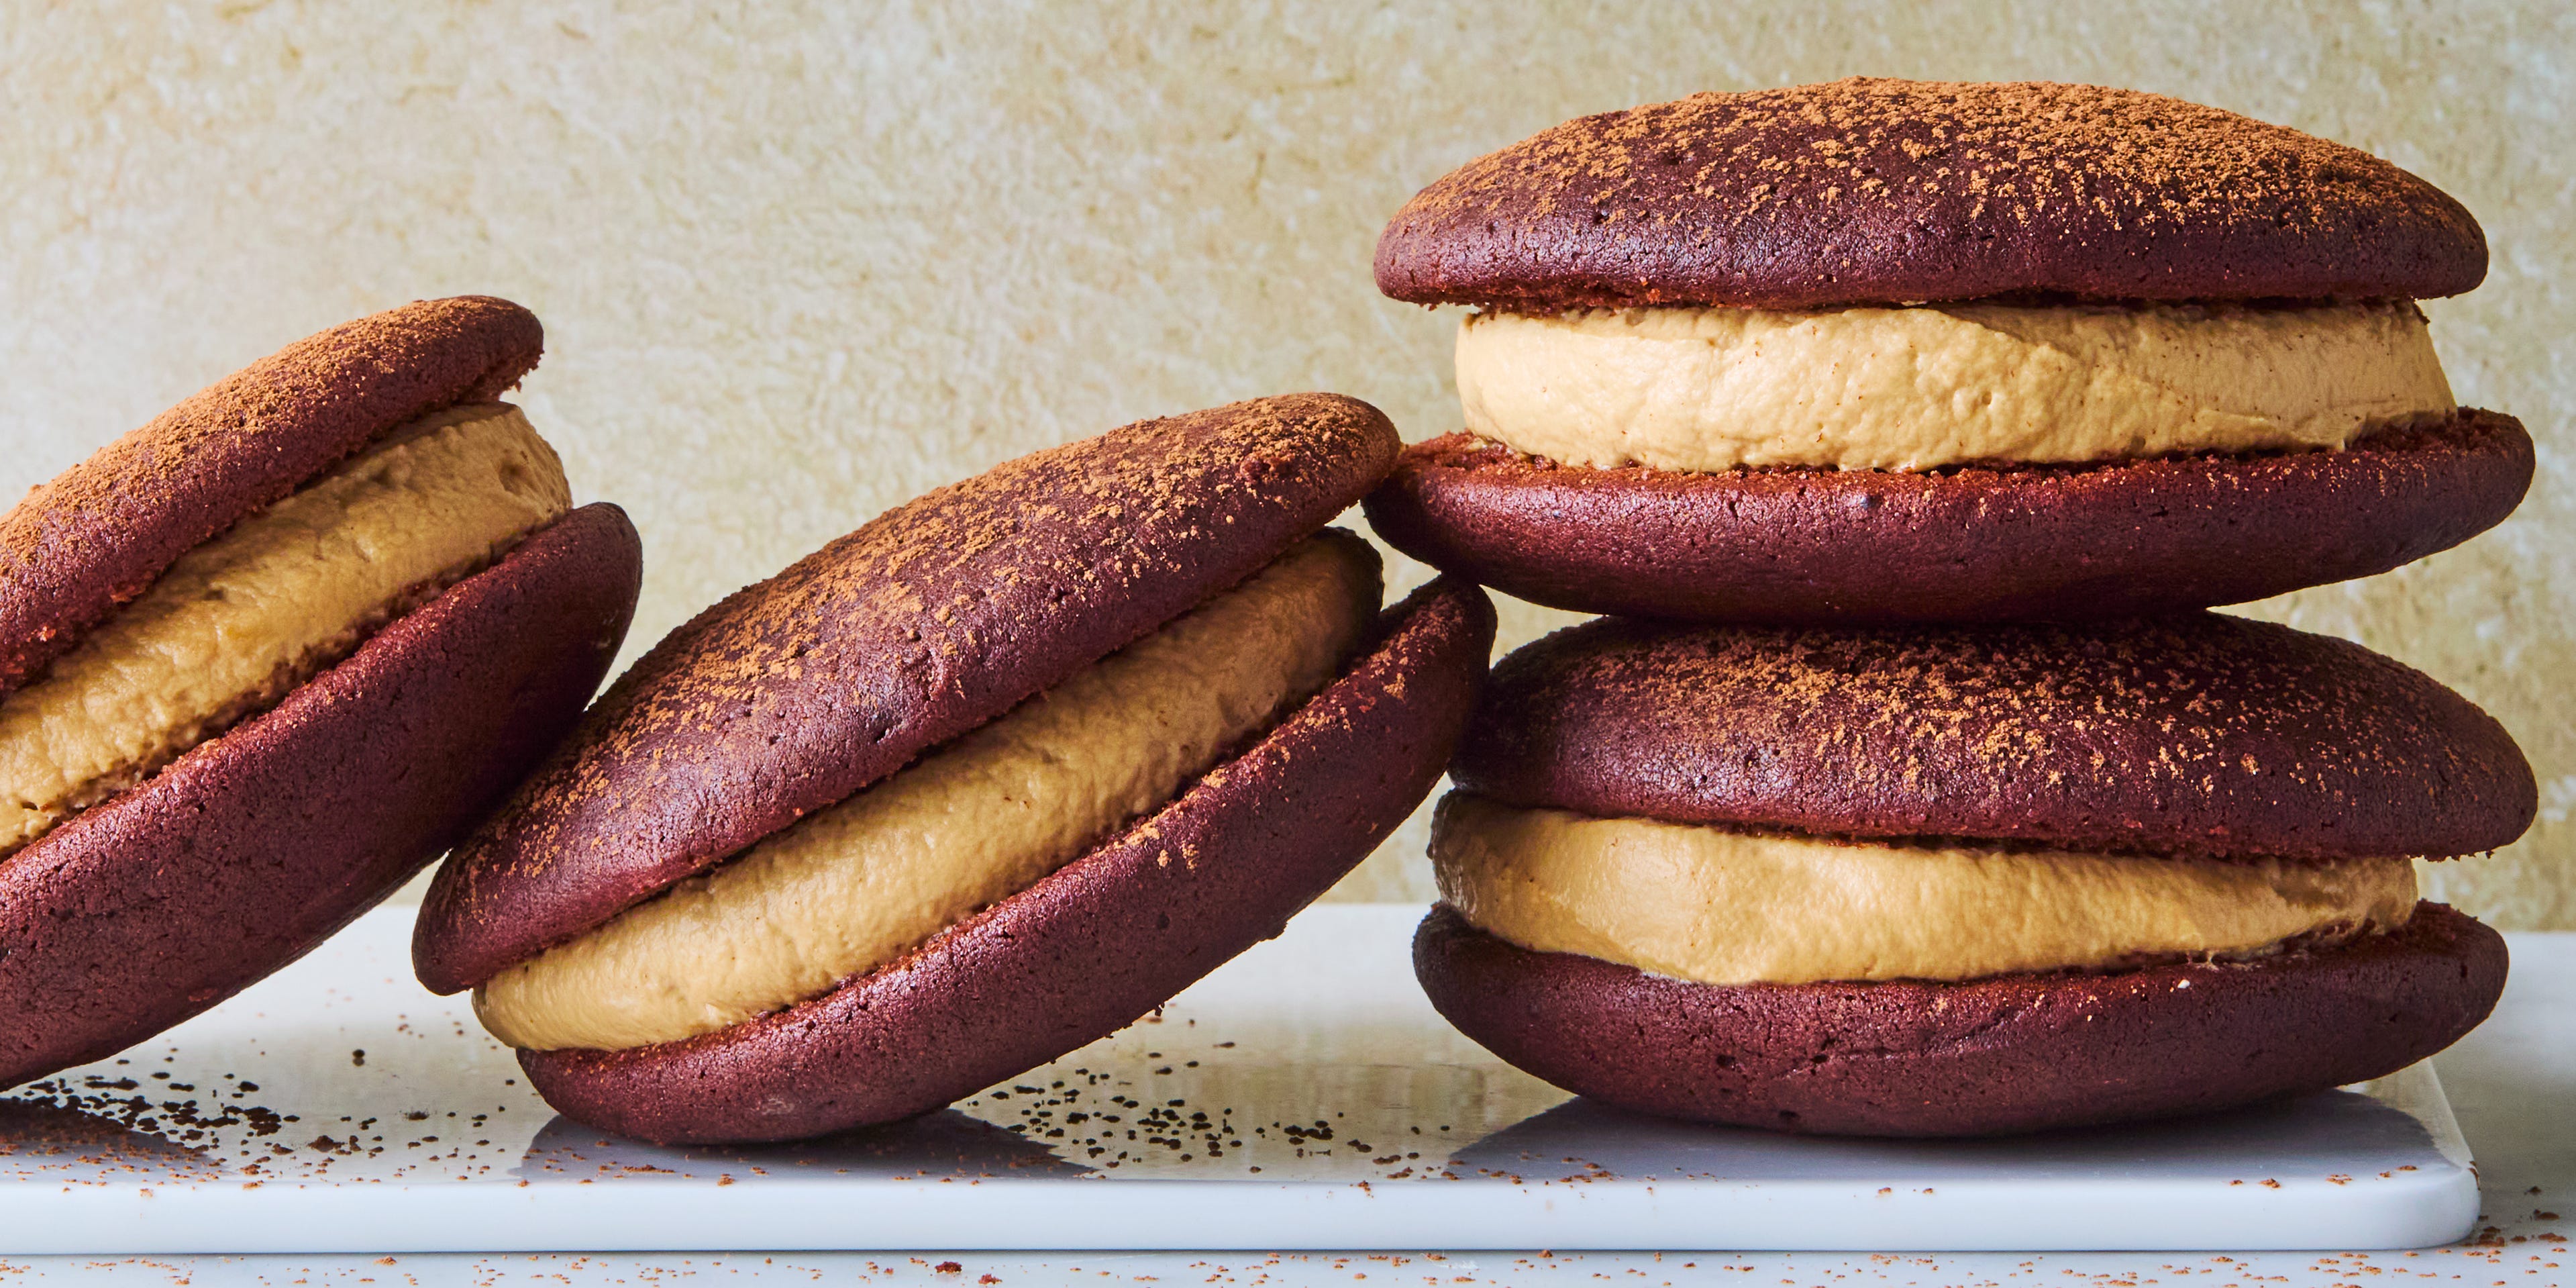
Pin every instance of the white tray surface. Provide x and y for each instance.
(1303, 1097)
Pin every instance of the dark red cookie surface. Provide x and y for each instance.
(2199, 735)
(934, 618)
(2030, 543)
(99, 533)
(253, 847)
(2013, 1053)
(1870, 191)
(1087, 950)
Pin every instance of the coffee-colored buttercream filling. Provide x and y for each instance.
(860, 884)
(1925, 387)
(1727, 907)
(235, 624)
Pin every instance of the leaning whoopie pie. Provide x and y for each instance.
(264, 658)
(1891, 351)
(1962, 880)
(983, 781)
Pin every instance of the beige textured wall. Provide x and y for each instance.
(799, 261)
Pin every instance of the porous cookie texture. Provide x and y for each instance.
(2011, 1053)
(249, 850)
(1980, 543)
(2197, 736)
(1883, 191)
(98, 534)
(1091, 947)
(932, 619)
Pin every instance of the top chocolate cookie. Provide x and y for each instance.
(934, 618)
(1873, 191)
(2194, 736)
(102, 531)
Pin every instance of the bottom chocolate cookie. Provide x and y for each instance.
(1975, 544)
(2013, 1053)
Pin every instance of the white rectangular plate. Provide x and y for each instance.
(1303, 1097)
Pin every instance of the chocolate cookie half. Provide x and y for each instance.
(2015, 543)
(1957, 881)
(271, 654)
(1897, 351)
(981, 782)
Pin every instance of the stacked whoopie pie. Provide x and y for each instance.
(1926, 419)
(972, 786)
(264, 658)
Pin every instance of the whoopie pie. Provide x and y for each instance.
(1896, 351)
(267, 656)
(972, 786)
(1962, 880)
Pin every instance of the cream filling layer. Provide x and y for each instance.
(233, 625)
(1925, 387)
(1724, 907)
(858, 885)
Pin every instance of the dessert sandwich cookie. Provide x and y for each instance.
(1892, 351)
(264, 658)
(977, 784)
(1962, 880)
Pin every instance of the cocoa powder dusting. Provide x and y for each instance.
(2016, 147)
(2196, 735)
